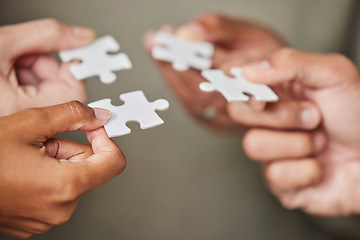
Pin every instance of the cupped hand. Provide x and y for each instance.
(42, 178)
(29, 76)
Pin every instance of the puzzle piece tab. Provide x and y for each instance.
(233, 89)
(96, 61)
(136, 108)
(182, 53)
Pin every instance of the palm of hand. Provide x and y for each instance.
(38, 81)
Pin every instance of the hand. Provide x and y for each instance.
(234, 40)
(42, 178)
(317, 169)
(29, 77)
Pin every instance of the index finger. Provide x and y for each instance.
(41, 36)
(107, 161)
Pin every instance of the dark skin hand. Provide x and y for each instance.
(42, 178)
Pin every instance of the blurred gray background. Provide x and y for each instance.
(181, 181)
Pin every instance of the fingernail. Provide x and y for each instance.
(259, 66)
(309, 117)
(193, 31)
(84, 33)
(102, 114)
(252, 70)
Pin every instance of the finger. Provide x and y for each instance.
(28, 225)
(290, 175)
(56, 119)
(107, 162)
(149, 36)
(289, 65)
(210, 27)
(282, 115)
(232, 33)
(63, 149)
(226, 60)
(185, 84)
(36, 69)
(14, 232)
(311, 198)
(267, 145)
(42, 36)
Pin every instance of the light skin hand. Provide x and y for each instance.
(235, 40)
(42, 178)
(317, 169)
(29, 76)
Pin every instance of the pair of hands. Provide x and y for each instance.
(308, 141)
(42, 178)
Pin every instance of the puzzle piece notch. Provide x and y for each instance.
(136, 108)
(181, 52)
(96, 60)
(233, 89)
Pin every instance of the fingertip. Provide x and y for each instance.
(83, 35)
(310, 117)
(257, 105)
(253, 145)
(234, 110)
(255, 71)
(192, 31)
(285, 176)
(100, 140)
(102, 114)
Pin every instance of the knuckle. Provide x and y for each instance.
(284, 55)
(53, 27)
(5, 31)
(272, 174)
(79, 109)
(36, 115)
(341, 67)
(61, 217)
(212, 19)
(304, 143)
(121, 163)
(66, 192)
(284, 116)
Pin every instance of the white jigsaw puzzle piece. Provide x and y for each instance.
(96, 61)
(136, 108)
(182, 53)
(233, 89)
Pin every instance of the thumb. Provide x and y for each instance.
(309, 69)
(43, 36)
(48, 121)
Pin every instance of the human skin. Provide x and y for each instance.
(29, 76)
(42, 178)
(234, 40)
(315, 169)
